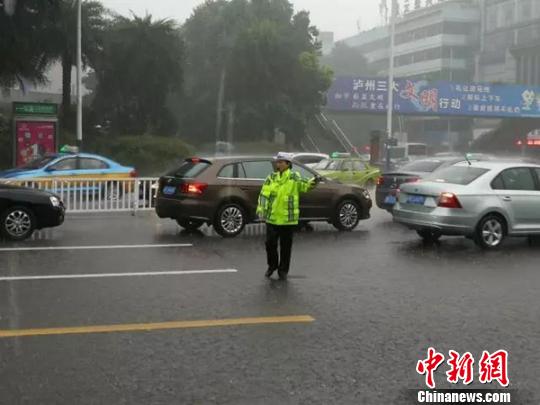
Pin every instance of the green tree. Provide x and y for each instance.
(347, 61)
(271, 59)
(63, 39)
(25, 46)
(138, 68)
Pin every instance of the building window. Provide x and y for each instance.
(525, 11)
(491, 18)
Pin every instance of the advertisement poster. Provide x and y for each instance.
(421, 97)
(33, 139)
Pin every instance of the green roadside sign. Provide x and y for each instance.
(38, 109)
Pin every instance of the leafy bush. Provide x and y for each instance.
(150, 155)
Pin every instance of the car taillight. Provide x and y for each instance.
(380, 181)
(133, 173)
(449, 200)
(193, 188)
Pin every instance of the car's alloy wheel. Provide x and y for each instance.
(18, 223)
(230, 220)
(347, 215)
(490, 232)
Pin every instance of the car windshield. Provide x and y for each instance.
(190, 169)
(327, 164)
(38, 163)
(462, 175)
(424, 166)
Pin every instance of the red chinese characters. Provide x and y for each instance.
(494, 367)
(429, 366)
(461, 368)
(430, 99)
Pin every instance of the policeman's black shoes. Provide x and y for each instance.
(269, 272)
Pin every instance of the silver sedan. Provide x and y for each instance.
(484, 201)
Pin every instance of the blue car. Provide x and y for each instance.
(70, 167)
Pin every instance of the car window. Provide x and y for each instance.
(229, 171)
(358, 166)
(519, 178)
(92, 164)
(537, 173)
(347, 166)
(190, 169)
(424, 166)
(258, 170)
(327, 164)
(498, 183)
(65, 164)
(306, 174)
(39, 163)
(462, 175)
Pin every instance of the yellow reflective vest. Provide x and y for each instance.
(279, 201)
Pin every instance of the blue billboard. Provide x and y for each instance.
(369, 95)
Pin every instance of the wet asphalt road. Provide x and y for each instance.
(379, 298)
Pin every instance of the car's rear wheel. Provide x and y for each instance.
(18, 223)
(190, 224)
(230, 220)
(347, 215)
(429, 235)
(490, 232)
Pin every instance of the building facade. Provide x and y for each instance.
(434, 43)
(437, 42)
(510, 42)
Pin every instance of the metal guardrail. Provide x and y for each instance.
(97, 195)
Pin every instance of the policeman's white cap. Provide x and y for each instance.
(287, 157)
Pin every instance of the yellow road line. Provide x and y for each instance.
(146, 327)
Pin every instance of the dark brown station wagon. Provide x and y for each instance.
(223, 192)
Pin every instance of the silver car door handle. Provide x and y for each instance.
(507, 198)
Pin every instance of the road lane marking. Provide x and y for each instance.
(104, 275)
(104, 247)
(147, 327)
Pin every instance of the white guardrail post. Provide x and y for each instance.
(98, 195)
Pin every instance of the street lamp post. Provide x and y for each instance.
(389, 118)
(79, 73)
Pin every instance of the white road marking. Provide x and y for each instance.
(105, 275)
(104, 247)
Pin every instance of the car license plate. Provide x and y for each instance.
(169, 190)
(416, 199)
(390, 199)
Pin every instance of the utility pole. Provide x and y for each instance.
(221, 96)
(389, 118)
(79, 74)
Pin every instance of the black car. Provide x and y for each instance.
(23, 210)
(389, 182)
(223, 192)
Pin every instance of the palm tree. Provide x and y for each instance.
(140, 66)
(25, 28)
(64, 41)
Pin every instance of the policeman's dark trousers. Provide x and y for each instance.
(284, 235)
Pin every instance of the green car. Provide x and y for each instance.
(348, 170)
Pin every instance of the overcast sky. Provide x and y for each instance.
(339, 16)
